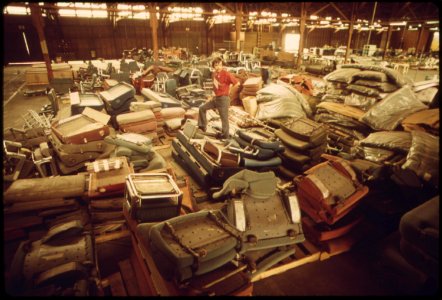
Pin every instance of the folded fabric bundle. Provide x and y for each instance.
(333, 98)
(390, 140)
(385, 87)
(359, 101)
(173, 124)
(371, 75)
(330, 86)
(423, 157)
(279, 108)
(393, 76)
(134, 117)
(138, 106)
(363, 90)
(140, 127)
(342, 109)
(342, 75)
(424, 120)
(428, 96)
(389, 112)
(173, 112)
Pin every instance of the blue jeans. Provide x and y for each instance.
(221, 103)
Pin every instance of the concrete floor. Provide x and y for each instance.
(361, 271)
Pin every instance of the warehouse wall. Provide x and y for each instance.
(194, 39)
(13, 43)
(399, 40)
(84, 35)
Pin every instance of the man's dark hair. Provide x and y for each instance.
(216, 60)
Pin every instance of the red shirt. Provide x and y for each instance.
(224, 79)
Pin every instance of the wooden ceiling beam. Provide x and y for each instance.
(321, 9)
(226, 8)
(398, 12)
(339, 11)
(412, 12)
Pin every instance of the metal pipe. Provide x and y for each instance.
(371, 23)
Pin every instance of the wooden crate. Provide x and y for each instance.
(36, 77)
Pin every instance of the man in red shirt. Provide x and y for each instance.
(221, 85)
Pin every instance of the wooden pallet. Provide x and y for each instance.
(147, 273)
(308, 251)
(305, 252)
(118, 231)
(115, 281)
(129, 278)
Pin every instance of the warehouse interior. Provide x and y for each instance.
(326, 184)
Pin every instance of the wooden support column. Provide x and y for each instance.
(37, 20)
(350, 31)
(387, 44)
(113, 19)
(154, 27)
(208, 41)
(209, 34)
(301, 32)
(421, 31)
(164, 28)
(371, 23)
(238, 22)
(403, 36)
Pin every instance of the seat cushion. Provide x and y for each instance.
(420, 227)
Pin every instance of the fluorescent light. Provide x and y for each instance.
(432, 22)
(26, 43)
(398, 23)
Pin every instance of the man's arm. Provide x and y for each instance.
(234, 81)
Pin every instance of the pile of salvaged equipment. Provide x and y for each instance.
(304, 154)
